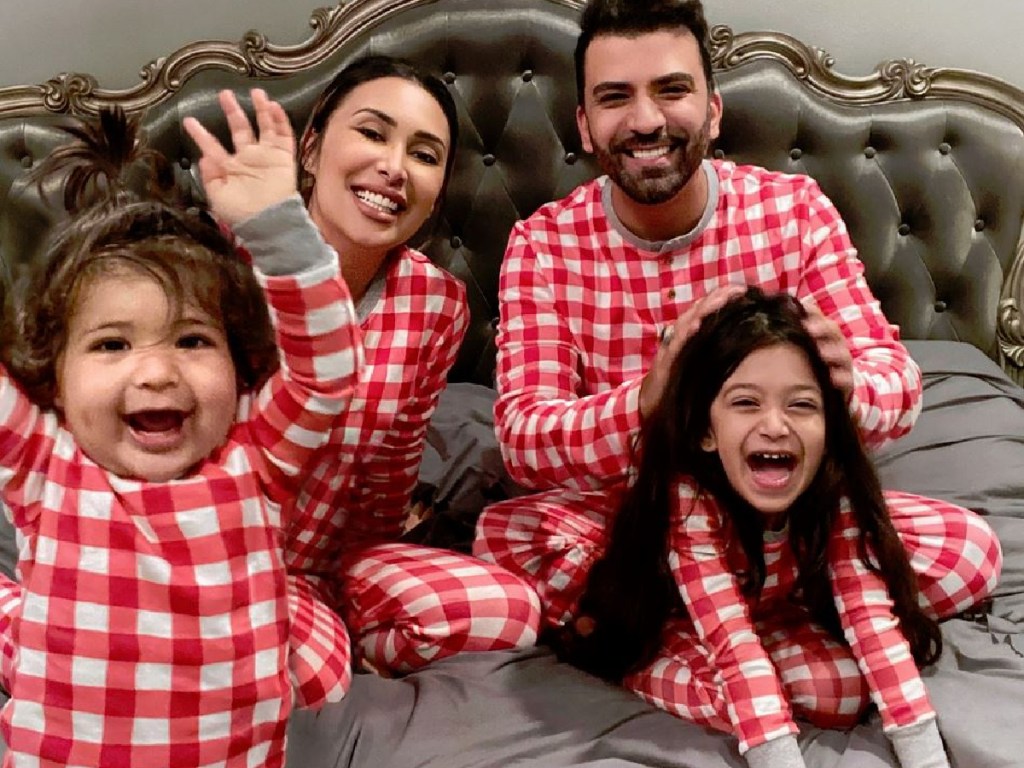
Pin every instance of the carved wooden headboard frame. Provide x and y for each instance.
(895, 80)
(332, 28)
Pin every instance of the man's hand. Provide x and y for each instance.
(833, 348)
(673, 339)
(260, 172)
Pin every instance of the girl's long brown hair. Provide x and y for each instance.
(631, 592)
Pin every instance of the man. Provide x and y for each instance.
(600, 290)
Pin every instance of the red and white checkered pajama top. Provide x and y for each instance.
(582, 307)
(154, 624)
(361, 481)
(704, 558)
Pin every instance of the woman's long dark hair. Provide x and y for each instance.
(631, 592)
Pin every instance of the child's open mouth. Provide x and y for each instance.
(157, 429)
(772, 469)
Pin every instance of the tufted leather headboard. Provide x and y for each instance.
(926, 165)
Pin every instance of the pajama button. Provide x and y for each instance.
(671, 293)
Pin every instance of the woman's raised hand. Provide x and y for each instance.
(261, 170)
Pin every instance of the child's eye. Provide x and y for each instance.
(195, 341)
(744, 402)
(108, 345)
(811, 406)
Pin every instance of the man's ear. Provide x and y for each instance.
(708, 443)
(714, 114)
(583, 125)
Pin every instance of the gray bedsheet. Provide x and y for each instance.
(526, 709)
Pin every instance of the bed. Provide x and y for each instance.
(925, 164)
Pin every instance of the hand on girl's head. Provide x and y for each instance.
(673, 338)
(833, 348)
(261, 170)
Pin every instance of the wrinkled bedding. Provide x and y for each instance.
(526, 709)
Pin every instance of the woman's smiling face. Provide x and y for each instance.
(379, 167)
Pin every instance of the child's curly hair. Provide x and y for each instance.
(127, 215)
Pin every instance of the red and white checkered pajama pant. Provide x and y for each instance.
(406, 605)
(552, 539)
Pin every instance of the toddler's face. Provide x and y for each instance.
(768, 426)
(146, 395)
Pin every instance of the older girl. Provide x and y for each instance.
(753, 572)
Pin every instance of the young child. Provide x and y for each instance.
(148, 438)
(753, 573)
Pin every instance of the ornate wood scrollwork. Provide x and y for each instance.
(892, 80)
(895, 80)
(332, 27)
(1009, 323)
(253, 56)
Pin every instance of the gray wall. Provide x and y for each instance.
(987, 36)
(113, 39)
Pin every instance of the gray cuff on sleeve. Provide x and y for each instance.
(283, 239)
(777, 753)
(919, 746)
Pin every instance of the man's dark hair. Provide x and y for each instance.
(629, 18)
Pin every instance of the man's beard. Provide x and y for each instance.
(651, 186)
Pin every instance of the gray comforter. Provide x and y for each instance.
(526, 709)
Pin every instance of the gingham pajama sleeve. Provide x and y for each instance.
(756, 703)
(549, 434)
(317, 334)
(27, 441)
(390, 475)
(872, 630)
(887, 382)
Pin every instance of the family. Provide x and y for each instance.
(212, 420)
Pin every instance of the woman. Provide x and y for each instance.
(373, 163)
(374, 160)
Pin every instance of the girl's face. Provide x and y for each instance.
(768, 427)
(379, 168)
(146, 395)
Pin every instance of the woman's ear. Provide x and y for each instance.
(309, 153)
(708, 443)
